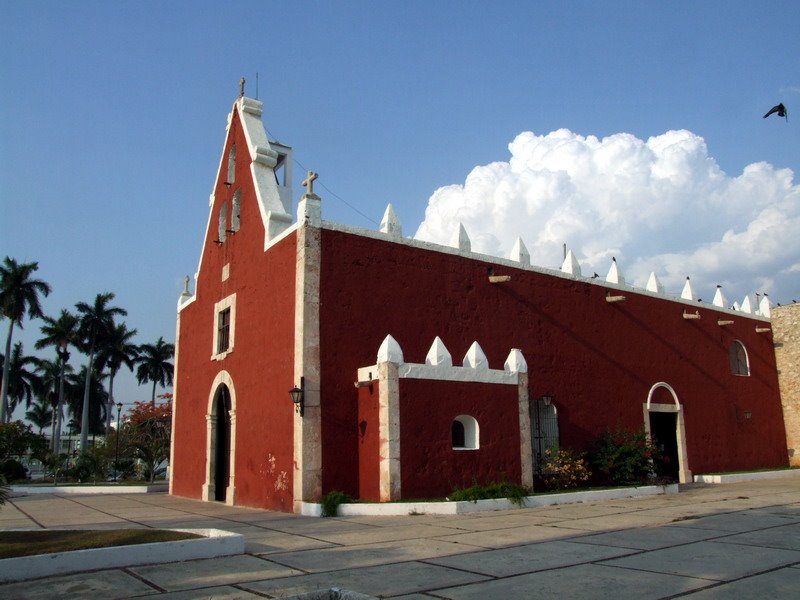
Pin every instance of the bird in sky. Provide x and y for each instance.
(780, 109)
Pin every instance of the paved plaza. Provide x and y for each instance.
(739, 540)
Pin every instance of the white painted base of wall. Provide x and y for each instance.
(736, 477)
(456, 508)
(161, 486)
(215, 542)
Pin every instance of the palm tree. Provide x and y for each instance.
(49, 373)
(22, 382)
(19, 295)
(117, 350)
(60, 333)
(94, 415)
(96, 321)
(41, 413)
(154, 364)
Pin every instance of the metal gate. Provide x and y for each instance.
(544, 425)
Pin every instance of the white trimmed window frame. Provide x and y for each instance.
(219, 307)
(736, 351)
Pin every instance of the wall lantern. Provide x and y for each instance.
(547, 400)
(298, 396)
(748, 415)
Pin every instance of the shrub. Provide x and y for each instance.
(624, 457)
(331, 501)
(13, 470)
(564, 469)
(515, 493)
(90, 465)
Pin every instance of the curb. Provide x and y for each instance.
(215, 542)
(310, 509)
(90, 489)
(737, 477)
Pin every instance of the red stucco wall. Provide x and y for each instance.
(598, 360)
(368, 443)
(261, 364)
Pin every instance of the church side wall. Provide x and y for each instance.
(260, 365)
(598, 360)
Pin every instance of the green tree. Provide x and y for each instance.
(96, 321)
(22, 381)
(116, 351)
(155, 365)
(94, 416)
(19, 296)
(60, 333)
(40, 413)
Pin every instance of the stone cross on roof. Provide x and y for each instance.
(308, 182)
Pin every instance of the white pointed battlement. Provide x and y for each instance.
(475, 357)
(764, 307)
(390, 224)
(390, 351)
(515, 363)
(571, 265)
(746, 306)
(654, 284)
(460, 239)
(614, 273)
(439, 354)
(719, 298)
(688, 291)
(520, 253)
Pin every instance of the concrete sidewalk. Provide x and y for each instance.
(738, 540)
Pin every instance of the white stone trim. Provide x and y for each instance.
(225, 303)
(684, 474)
(525, 431)
(472, 433)
(444, 373)
(389, 431)
(222, 378)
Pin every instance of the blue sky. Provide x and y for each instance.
(112, 119)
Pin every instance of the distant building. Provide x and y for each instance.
(426, 367)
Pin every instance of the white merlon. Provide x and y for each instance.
(390, 351)
(460, 239)
(746, 306)
(654, 284)
(520, 253)
(764, 307)
(719, 298)
(688, 291)
(736, 306)
(571, 264)
(515, 363)
(309, 210)
(475, 357)
(390, 224)
(614, 274)
(438, 355)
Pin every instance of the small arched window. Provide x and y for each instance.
(223, 222)
(236, 210)
(737, 354)
(231, 165)
(465, 433)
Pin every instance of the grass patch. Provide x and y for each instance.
(30, 543)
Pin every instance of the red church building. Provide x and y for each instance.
(417, 368)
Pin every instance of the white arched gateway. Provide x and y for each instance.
(664, 422)
(221, 440)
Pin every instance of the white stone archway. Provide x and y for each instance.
(684, 474)
(223, 378)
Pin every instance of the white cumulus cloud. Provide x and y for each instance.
(660, 205)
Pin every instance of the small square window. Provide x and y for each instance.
(224, 327)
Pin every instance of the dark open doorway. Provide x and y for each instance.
(222, 443)
(663, 430)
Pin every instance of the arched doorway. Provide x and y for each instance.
(663, 421)
(222, 443)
